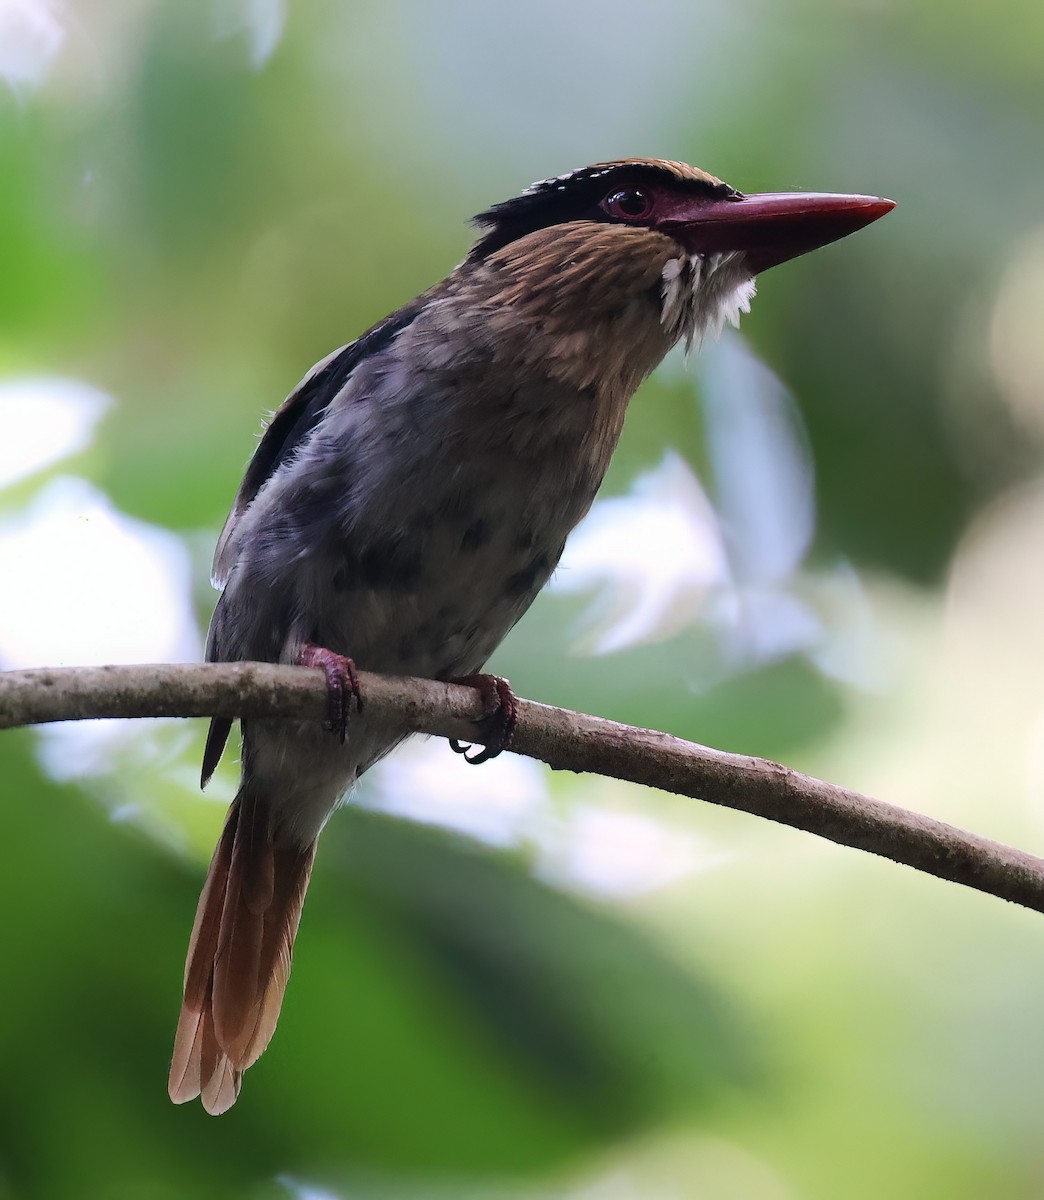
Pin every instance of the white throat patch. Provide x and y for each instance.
(703, 291)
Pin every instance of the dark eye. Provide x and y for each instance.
(629, 204)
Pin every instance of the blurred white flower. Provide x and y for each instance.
(655, 553)
(262, 21)
(615, 853)
(590, 848)
(761, 465)
(91, 586)
(665, 557)
(44, 420)
(425, 781)
(307, 1191)
(31, 36)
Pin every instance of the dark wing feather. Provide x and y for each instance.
(217, 736)
(301, 412)
(298, 415)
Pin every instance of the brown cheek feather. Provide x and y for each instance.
(582, 302)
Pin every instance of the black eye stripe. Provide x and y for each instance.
(582, 196)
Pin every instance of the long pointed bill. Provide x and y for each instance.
(771, 227)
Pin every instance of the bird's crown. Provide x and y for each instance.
(623, 191)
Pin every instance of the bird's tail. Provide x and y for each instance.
(239, 954)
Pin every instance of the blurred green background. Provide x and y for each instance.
(821, 540)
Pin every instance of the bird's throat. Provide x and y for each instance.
(701, 292)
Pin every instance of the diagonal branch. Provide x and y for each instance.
(565, 740)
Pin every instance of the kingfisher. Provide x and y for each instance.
(412, 496)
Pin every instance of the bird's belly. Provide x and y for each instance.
(420, 567)
(451, 612)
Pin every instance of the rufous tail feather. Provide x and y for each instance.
(239, 954)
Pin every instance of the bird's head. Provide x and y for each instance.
(602, 237)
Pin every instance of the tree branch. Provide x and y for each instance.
(563, 739)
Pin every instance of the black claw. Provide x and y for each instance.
(497, 723)
(482, 753)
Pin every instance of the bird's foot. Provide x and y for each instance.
(342, 685)
(497, 724)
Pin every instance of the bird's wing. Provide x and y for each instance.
(299, 414)
(296, 417)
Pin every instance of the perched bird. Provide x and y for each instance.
(413, 495)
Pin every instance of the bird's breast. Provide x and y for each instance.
(431, 504)
(435, 590)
